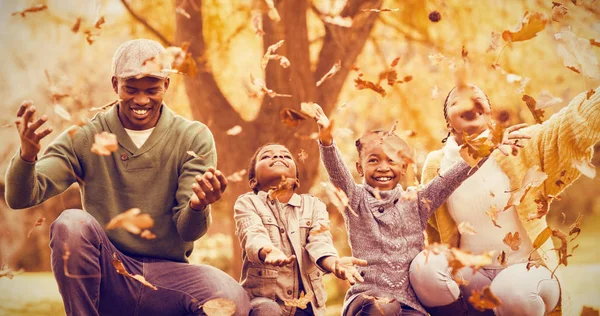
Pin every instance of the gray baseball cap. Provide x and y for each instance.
(130, 56)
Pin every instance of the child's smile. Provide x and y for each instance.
(379, 170)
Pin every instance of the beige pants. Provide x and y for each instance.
(522, 292)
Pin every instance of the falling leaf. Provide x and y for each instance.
(312, 136)
(397, 149)
(104, 144)
(361, 84)
(259, 83)
(173, 60)
(533, 178)
(542, 237)
(321, 229)
(272, 13)
(594, 42)
(502, 259)
(466, 228)
(436, 59)
(219, 307)
(291, 117)
(301, 302)
(90, 37)
(577, 54)
(62, 112)
(589, 311)
(309, 108)
(284, 186)
(478, 146)
(334, 69)
(237, 176)
(380, 10)
(558, 11)
(181, 11)
(530, 25)
(338, 198)
(76, 26)
(37, 223)
(302, 156)
(435, 92)
(270, 54)
(494, 42)
(542, 203)
(146, 234)
(512, 240)
(458, 259)
(131, 221)
(99, 22)
(120, 268)
(589, 94)
(493, 214)
(9, 273)
(234, 130)
(257, 23)
(538, 114)
(545, 99)
(32, 9)
(484, 299)
(585, 167)
(193, 154)
(562, 249)
(338, 20)
(574, 228)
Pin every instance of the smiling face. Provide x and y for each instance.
(272, 162)
(140, 101)
(468, 111)
(377, 168)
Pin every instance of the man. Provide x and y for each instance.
(150, 170)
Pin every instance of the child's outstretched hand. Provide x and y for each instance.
(324, 126)
(274, 256)
(510, 141)
(345, 268)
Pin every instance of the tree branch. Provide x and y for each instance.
(154, 31)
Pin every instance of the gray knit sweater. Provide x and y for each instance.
(388, 233)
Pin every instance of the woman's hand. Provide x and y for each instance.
(510, 141)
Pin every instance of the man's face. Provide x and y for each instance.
(140, 101)
(468, 111)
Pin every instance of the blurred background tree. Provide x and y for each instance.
(42, 55)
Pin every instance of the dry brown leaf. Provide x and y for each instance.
(594, 42)
(466, 228)
(291, 117)
(76, 26)
(538, 114)
(37, 223)
(219, 307)
(361, 84)
(558, 11)
(533, 178)
(589, 94)
(321, 229)
(259, 83)
(585, 167)
(178, 59)
(132, 221)
(270, 54)
(577, 54)
(338, 198)
(542, 237)
(302, 156)
(181, 11)
(309, 108)
(272, 13)
(562, 249)
(396, 149)
(493, 214)
(334, 69)
(234, 130)
(338, 20)
(477, 146)
(99, 22)
(513, 240)
(484, 299)
(120, 268)
(104, 144)
(530, 25)
(301, 302)
(494, 42)
(284, 186)
(257, 23)
(32, 9)
(542, 203)
(574, 228)
(457, 259)
(237, 176)
(589, 311)
(502, 259)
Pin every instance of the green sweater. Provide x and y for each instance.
(156, 178)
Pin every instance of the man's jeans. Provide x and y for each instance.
(93, 286)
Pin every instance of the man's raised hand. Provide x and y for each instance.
(28, 127)
(208, 188)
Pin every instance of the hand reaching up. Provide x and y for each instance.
(510, 141)
(274, 256)
(325, 126)
(28, 127)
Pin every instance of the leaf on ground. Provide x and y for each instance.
(493, 214)
(120, 268)
(338, 20)
(272, 13)
(237, 176)
(466, 228)
(321, 229)
(334, 70)
(361, 84)
(132, 221)
(37, 223)
(538, 114)
(502, 259)
(585, 167)
(577, 54)
(484, 299)
(284, 186)
(494, 42)
(302, 156)
(530, 25)
(301, 302)
(104, 144)
(257, 23)
(542, 237)
(558, 11)
(533, 178)
(291, 117)
(513, 240)
(338, 198)
(219, 307)
(234, 130)
(32, 9)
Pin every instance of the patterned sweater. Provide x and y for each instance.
(388, 233)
